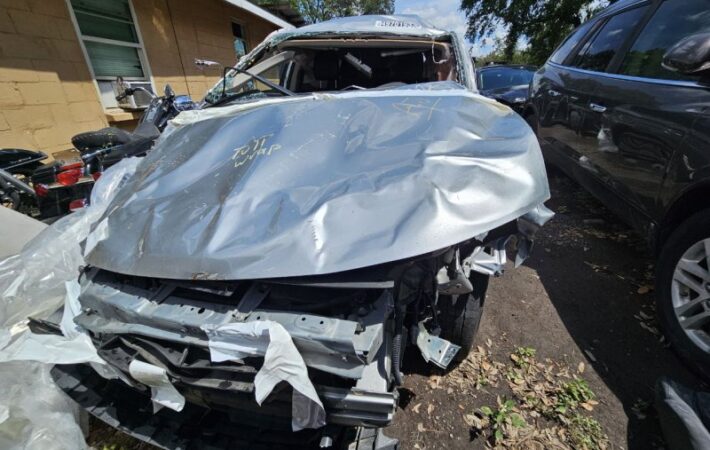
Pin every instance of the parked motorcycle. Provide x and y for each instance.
(66, 184)
(16, 168)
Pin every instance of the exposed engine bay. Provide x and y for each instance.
(351, 328)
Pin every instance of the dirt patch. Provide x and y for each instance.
(585, 296)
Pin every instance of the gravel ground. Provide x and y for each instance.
(584, 300)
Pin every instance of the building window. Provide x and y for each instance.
(108, 33)
(240, 39)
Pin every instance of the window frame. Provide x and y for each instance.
(573, 50)
(615, 64)
(142, 55)
(628, 45)
(612, 65)
(245, 34)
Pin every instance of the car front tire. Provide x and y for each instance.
(461, 315)
(683, 291)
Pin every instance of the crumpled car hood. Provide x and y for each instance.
(320, 184)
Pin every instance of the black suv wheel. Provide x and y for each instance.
(683, 291)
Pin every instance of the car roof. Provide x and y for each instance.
(395, 24)
(619, 5)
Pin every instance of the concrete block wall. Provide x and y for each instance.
(175, 32)
(46, 91)
(47, 94)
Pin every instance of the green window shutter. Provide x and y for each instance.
(112, 20)
(96, 26)
(114, 60)
(113, 9)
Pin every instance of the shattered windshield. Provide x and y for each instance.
(316, 65)
(246, 85)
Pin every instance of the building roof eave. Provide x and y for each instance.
(260, 12)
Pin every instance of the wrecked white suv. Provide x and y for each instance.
(338, 203)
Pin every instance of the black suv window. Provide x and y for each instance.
(560, 55)
(674, 20)
(598, 53)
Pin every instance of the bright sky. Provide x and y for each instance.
(443, 14)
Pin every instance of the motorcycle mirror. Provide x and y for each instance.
(169, 91)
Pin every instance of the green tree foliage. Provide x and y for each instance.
(497, 55)
(542, 23)
(319, 10)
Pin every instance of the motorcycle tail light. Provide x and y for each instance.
(41, 190)
(69, 177)
(75, 205)
(74, 165)
(96, 175)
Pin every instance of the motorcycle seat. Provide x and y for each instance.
(112, 136)
(105, 137)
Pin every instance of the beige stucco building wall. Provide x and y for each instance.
(47, 94)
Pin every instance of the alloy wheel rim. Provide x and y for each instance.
(690, 293)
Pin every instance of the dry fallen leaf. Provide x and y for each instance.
(434, 381)
(420, 427)
(415, 408)
(580, 368)
(643, 290)
(471, 420)
(429, 409)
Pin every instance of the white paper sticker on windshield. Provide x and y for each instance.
(396, 24)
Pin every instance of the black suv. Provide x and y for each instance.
(506, 83)
(623, 107)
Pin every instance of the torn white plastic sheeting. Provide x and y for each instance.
(282, 362)
(38, 415)
(32, 282)
(72, 348)
(163, 393)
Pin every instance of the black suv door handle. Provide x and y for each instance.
(553, 93)
(597, 108)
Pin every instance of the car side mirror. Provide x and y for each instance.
(690, 55)
(169, 91)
